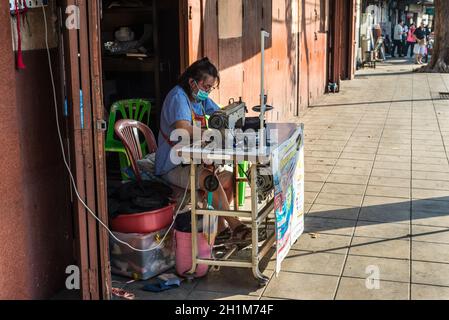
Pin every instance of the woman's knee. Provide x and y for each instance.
(226, 180)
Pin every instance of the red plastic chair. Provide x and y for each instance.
(128, 132)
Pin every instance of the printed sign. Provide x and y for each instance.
(288, 176)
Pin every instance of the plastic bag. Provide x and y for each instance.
(416, 49)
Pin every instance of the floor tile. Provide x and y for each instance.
(334, 211)
(356, 289)
(428, 160)
(430, 273)
(385, 209)
(357, 156)
(425, 292)
(328, 226)
(302, 286)
(209, 295)
(384, 191)
(389, 182)
(323, 243)
(344, 188)
(346, 178)
(311, 262)
(315, 176)
(430, 184)
(312, 186)
(431, 167)
(388, 269)
(318, 168)
(426, 175)
(390, 165)
(351, 170)
(392, 158)
(435, 195)
(430, 234)
(385, 248)
(432, 252)
(232, 280)
(355, 163)
(389, 173)
(382, 230)
(339, 199)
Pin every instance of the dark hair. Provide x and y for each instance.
(198, 71)
(400, 21)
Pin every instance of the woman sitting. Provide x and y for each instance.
(186, 106)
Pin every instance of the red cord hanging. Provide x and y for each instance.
(20, 63)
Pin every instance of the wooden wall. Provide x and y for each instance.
(297, 53)
(314, 52)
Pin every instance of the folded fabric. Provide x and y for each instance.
(159, 286)
(164, 282)
(147, 164)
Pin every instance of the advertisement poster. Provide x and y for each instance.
(288, 175)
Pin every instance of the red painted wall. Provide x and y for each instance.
(14, 283)
(35, 230)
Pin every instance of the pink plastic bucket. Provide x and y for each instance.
(184, 253)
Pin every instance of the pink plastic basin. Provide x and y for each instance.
(145, 222)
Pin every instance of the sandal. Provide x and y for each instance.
(118, 292)
(223, 236)
(242, 233)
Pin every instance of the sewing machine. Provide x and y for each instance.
(230, 117)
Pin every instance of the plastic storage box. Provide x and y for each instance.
(145, 222)
(142, 265)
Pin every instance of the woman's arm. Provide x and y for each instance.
(210, 107)
(184, 125)
(187, 126)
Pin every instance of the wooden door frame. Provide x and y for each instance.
(83, 70)
(81, 239)
(96, 91)
(336, 42)
(352, 15)
(188, 53)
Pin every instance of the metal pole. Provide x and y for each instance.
(263, 35)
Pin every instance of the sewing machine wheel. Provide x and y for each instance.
(267, 108)
(218, 122)
(264, 183)
(211, 183)
(252, 123)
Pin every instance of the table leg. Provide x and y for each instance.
(194, 231)
(236, 184)
(263, 280)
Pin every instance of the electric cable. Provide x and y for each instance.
(72, 179)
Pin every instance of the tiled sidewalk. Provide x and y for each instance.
(377, 194)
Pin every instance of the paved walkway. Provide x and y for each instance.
(377, 194)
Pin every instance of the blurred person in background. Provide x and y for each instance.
(411, 41)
